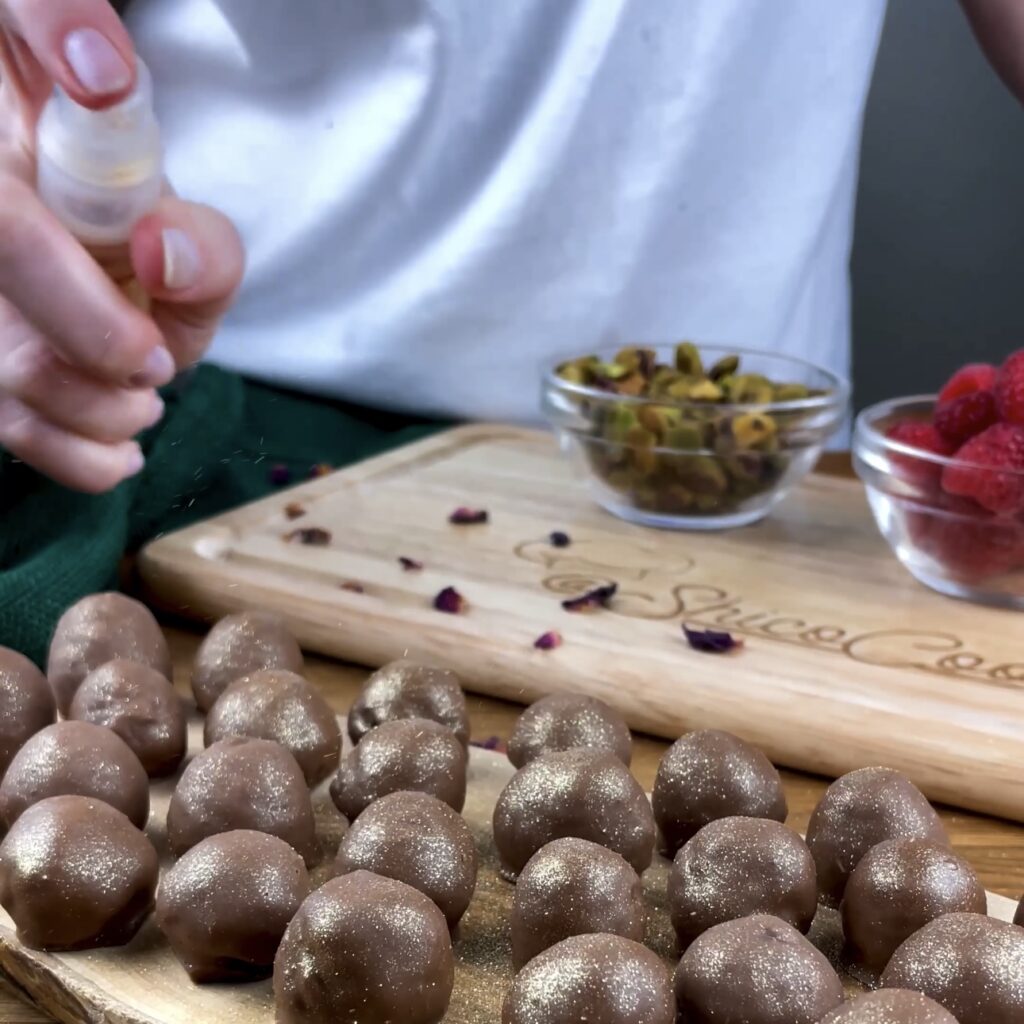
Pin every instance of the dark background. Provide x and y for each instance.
(938, 255)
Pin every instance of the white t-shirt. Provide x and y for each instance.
(439, 197)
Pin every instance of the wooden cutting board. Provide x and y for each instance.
(143, 983)
(847, 660)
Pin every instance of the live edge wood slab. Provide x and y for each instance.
(847, 661)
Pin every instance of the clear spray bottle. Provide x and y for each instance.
(99, 171)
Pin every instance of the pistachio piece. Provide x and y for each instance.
(725, 367)
(687, 435)
(658, 419)
(688, 359)
(705, 391)
(791, 392)
(702, 474)
(752, 429)
(642, 360)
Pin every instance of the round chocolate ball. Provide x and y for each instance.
(861, 810)
(891, 1006)
(225, 905)
(419, 840)
(735, 867)
(755, 970)
(237, 646)
(75, 873)
(75, 759)
(26, 703)
(898, 887)
(708, 775)
(970, 964)
(242, 783)
(588, 794)
(600, 979)
(275, 704)
(574, 887)
(1019, 916)
(563, 721)
(405, 689)
(140, 705)
(407, 753)
(368, 949)
(98, 629)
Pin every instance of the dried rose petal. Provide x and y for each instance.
(355, 588)
(320, 469)
(548, 641)
(409, 564)
(491, 743)
(599, 597)
(711, 641)
(314, 536)
(559, 539)
(450, 601)
(280, 475)
(294, 511)
(468, 516)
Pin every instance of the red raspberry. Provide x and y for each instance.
(973, 377)
(959, 420)
(922, 435)
(994, 477)
(1009, 389)
(972, 550)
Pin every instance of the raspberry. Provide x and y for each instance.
(973, 377)
(918, 434)
(992, 472)
(960, 419)
(972, 550)
(1009, 389)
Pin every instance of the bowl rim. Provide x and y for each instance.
(867, 437)
(838, 395)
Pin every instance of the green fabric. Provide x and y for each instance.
(214, 449)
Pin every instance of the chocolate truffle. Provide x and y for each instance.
(405, 689)
(1019, 916)
(755, 970)
(563, 721)
(416, 839)
(970, 964)
(574, 887)
(368, 949)
(735, 867)
(891, 1006)
(140, 705)
(241, 783)
(588, 794)
(237, 646)
(75, 759)
(98, 629)
(898, 887)
(76, 874)
(26, 703)
(861, 810)
(708, 775)
(275, 704)
(408, 753)
(225, 905)
(601, 979)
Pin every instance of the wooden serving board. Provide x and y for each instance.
(143, 983)
(847, 661)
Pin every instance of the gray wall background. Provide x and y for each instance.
(938, 262)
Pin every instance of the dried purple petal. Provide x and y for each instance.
(280, 475)
(294, 511)
(355, 588)
(468, 516)
(314, 536)
(491, 743)
(320, 469)
(711, 641)
(409, 564)
(450, 601)
(559, 539)
(599, 597)
(548, 641)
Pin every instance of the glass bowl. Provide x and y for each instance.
(690, 464)
(949, 543)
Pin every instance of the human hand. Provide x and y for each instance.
(79, 364)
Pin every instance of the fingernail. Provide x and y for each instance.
(181, 259)
(157, 370)
(156, 411)
(134, 462)
(97, 65)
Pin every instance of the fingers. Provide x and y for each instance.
(73, 461)
(190, 260)
(68, 299)
(81, 44)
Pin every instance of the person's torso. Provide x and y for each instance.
(440, 196)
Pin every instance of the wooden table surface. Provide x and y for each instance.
(995, 848)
